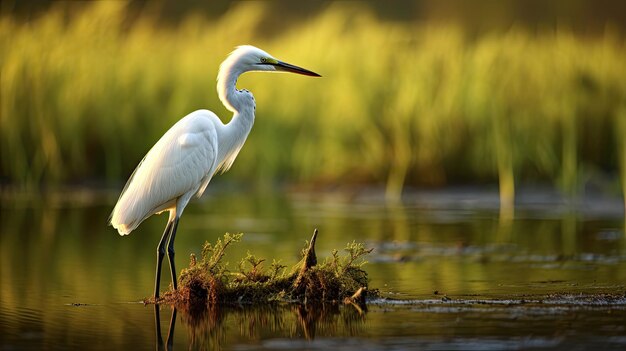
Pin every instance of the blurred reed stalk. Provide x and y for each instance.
(569, 168)
(620, 132)
(504, 159)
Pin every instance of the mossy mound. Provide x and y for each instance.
(207, 281)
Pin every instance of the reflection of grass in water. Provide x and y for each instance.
(209, 328)
(427, 106)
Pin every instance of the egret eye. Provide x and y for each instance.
(263, 60)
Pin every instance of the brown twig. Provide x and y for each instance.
(309, 260)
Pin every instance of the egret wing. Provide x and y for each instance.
(179, 163)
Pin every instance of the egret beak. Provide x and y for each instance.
(285, 67)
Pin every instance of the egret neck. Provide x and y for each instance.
(240, 102)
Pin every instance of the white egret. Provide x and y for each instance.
(182, 163)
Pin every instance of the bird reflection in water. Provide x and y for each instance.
(209, 327)
(169, 342)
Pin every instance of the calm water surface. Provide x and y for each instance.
(455, 273)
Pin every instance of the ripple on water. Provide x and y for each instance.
(412, 343)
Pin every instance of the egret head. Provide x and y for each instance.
(247, 58)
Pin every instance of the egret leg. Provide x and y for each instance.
(160, 255)
(170, 252)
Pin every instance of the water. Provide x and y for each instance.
(455, 273)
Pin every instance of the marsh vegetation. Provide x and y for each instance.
(208, 282)
(430, 105)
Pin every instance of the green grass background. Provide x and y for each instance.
(400, 103)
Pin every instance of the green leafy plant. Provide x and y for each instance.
(208, 281)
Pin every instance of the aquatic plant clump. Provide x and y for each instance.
(339, 278)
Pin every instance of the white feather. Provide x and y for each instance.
(185, 156)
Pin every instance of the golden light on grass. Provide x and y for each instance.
(400, 103)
